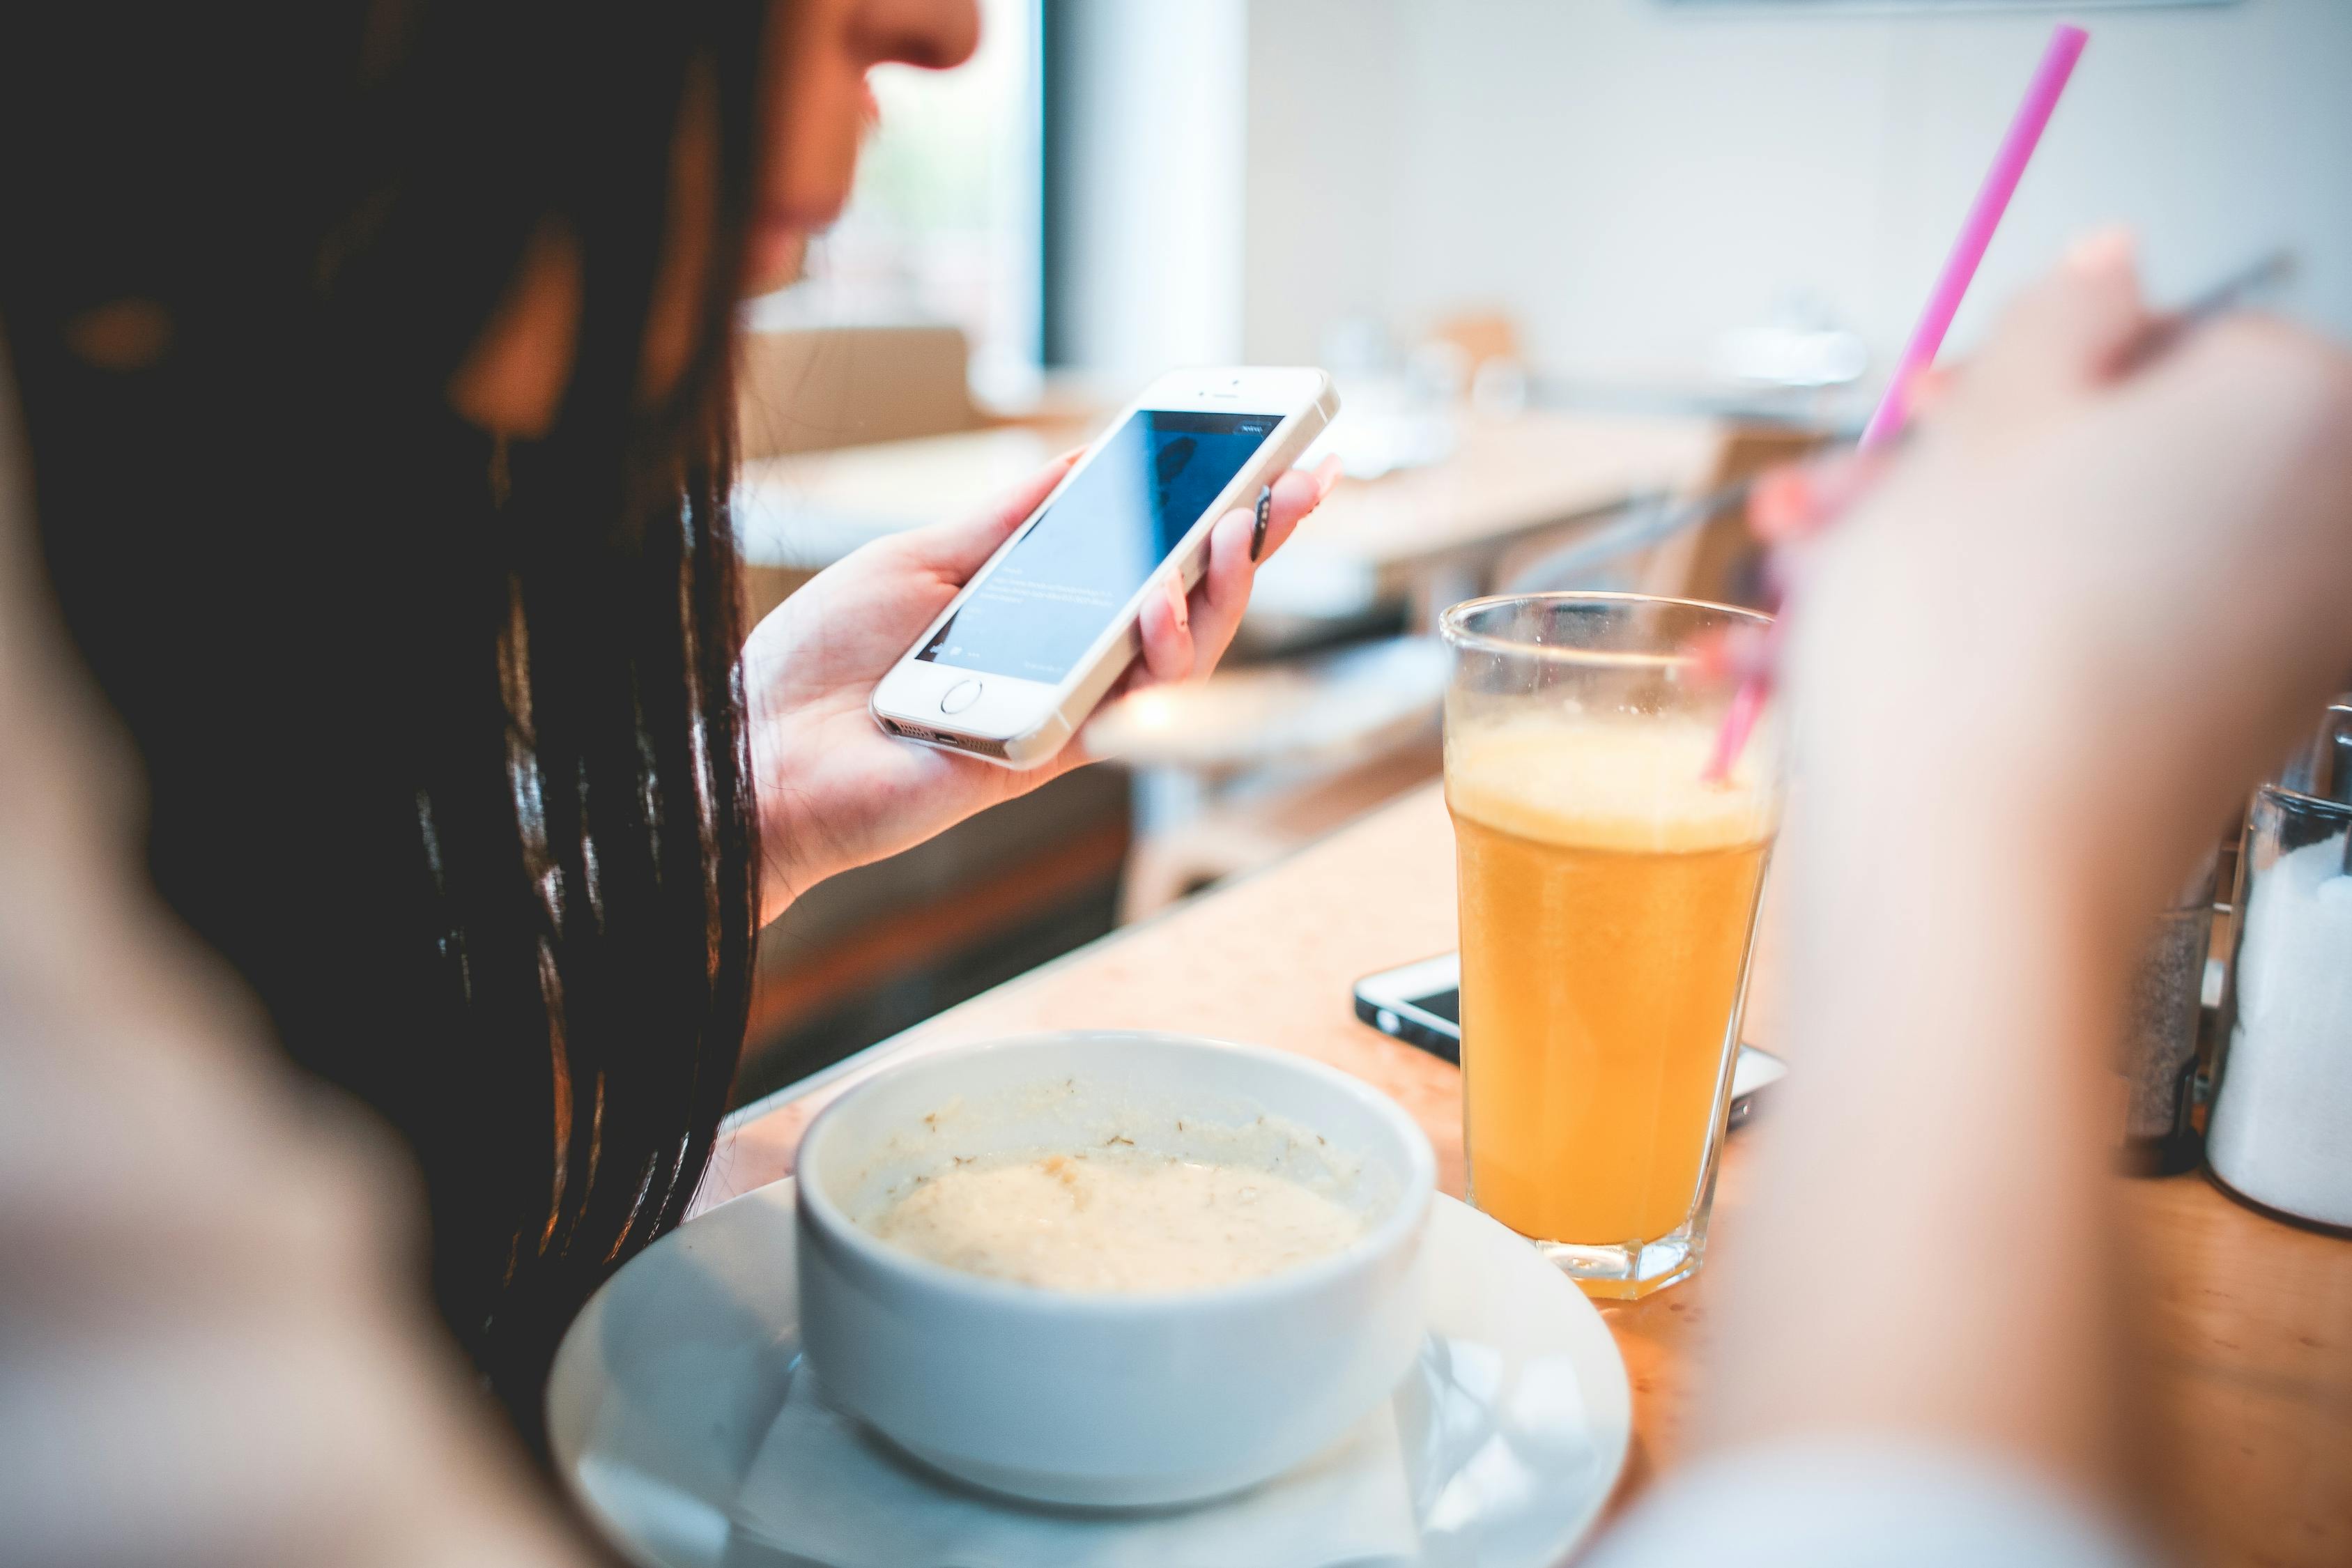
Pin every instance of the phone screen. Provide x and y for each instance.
(1037, 614)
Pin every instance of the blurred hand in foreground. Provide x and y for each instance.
(2048, 644)
(2086, 580)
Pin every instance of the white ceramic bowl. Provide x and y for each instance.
(1107, 1399)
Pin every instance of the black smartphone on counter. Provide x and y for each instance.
(1421, 1003)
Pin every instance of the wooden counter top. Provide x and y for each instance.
(2251, 1320)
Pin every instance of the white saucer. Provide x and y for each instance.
(680, 1416)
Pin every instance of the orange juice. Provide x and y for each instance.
(1607, 901)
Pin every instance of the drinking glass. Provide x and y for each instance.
(1608, 895)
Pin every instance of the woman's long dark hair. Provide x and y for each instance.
(443, 733)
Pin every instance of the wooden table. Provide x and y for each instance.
(2250, 1321)
(1506, 478)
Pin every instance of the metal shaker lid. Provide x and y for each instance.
(2321, 767)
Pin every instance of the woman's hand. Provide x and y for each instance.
(834, 791)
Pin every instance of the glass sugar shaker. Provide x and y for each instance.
(2279, 1130)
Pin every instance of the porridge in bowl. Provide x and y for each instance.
(1073, 1186)
(1115, 1218)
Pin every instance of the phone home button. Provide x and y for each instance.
(961, 696)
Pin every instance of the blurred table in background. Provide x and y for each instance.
(875, 949)
(1433, 534)
(2246, 1367)
(797, 514)
(1414, 533)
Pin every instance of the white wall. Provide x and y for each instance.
(1630, 178)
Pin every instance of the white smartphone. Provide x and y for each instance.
(1015, 663)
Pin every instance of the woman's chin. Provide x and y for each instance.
(776, 254)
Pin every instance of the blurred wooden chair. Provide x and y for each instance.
(809, 389)
(1480, 335)
(1722, 561)
(1718, 560)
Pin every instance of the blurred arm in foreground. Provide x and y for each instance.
(2029, 674)
(206, 1355)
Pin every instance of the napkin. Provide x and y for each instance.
(822, 1488)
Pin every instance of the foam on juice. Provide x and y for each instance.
(1608, 781)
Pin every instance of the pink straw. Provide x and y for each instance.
(1992, 200)
(1959, 269)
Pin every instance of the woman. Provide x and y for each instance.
(375, 366)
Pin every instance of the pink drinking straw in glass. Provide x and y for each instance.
(1960, 269)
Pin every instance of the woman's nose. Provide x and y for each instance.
(933, 34)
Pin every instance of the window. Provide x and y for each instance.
(943, 226)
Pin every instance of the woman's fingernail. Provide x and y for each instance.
(1327, 474)
(1780, 502)
(2102, 250)
(1733, 654)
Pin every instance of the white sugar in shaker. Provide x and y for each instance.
(2281, 1130)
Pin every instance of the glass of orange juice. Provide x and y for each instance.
(1609, 895)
